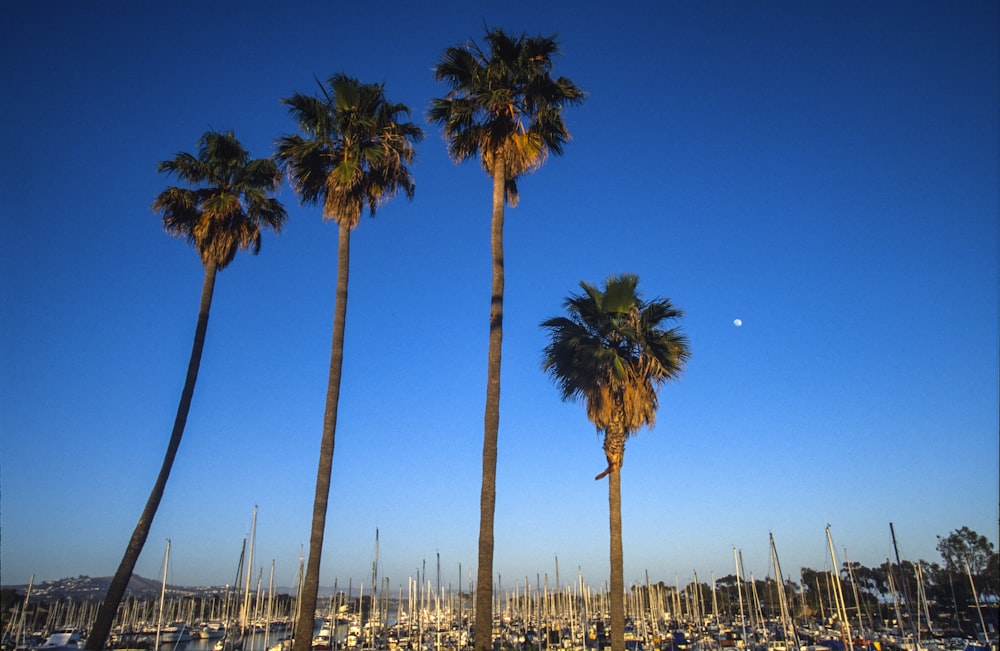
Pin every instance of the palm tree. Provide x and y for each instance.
(353, 153)
(613, 352)
(224, 211)
(505, 107)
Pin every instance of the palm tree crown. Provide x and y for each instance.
(352, 153)
(223, 212)
(504, 104)
(355, 150)
(614, 353)
(505, 107)
(229, 204)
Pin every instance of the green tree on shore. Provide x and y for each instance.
(969, 559)
(224, 210)
(352, 154)
(613, 352)
(506, 108)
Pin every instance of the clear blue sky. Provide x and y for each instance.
(825, 171)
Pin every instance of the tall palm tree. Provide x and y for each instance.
(224, 210)
(613, 352)
(352, 153)
(505, 107)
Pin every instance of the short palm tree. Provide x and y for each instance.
(613, 352)
(352, 153)
(505, 107)
(224, 210)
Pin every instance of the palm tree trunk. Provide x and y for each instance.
(617, 597)
(491, 424)
(116, 590)
(310, 586)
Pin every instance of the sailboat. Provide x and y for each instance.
(66, 638)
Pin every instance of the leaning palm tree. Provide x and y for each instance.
(352, 153)
(224, 210)
(505, 107)
(613, 352)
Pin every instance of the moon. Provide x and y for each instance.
(737, 322)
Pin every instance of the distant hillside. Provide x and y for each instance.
(84, 588)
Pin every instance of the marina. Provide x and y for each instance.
(888, 608)
(570, 617)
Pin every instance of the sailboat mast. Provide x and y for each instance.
(270, 606)
(975, 597)
(786, 616)
(715, 602)
(373, 609)
(854, 588)
(298, 592)
(902, 580)
(20, 632)
(244, 614)
(163, 591)
(845, 625)
(739, 592)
